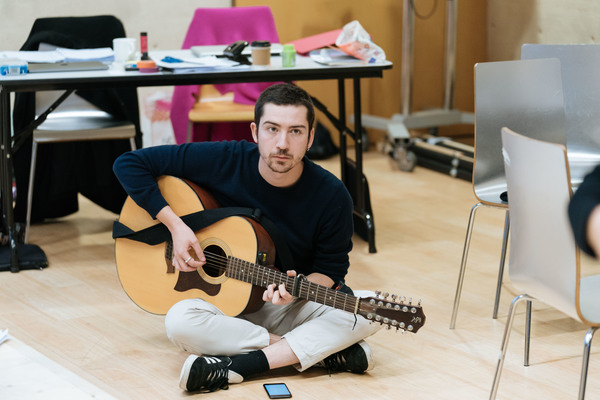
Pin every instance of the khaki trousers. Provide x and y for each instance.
(313, 331)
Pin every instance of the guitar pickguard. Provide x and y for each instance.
(192, 280)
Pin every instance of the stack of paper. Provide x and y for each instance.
(60, 55)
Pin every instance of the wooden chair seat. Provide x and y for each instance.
(212, 106)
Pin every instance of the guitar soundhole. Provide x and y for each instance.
(216, 261)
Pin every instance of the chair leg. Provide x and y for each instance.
(502, 263)
(587, 343)
(30, 187)
(132, 143)
(527, 334)
(463, 265)
(507, 329)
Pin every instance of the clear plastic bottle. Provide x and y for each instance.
(288, 56)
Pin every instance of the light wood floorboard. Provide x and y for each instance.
(76, 314)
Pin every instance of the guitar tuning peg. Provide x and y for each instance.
(402, 299)
(378, 293)
(410, 301)
(385, 295)
(394, 297)
(419, 303)
(388, 327)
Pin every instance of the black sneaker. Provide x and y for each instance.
(356, 359)
(206, 374)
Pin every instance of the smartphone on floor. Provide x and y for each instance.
(277, 390)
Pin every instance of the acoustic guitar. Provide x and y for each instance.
(239, 257)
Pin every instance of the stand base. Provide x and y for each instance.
(31, 256)
(398, 135)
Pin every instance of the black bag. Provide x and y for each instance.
(322, 146)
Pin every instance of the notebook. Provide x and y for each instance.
(66, 66)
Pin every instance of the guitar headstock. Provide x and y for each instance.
(396, 312)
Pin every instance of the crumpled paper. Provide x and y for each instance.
(356, 41)
(3, 335)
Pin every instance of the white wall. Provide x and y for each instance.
(512, 23)
(166, 21)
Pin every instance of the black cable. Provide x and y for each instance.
(424, 16)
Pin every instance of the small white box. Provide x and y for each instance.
(12, 66)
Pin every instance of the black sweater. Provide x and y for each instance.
(583, 202)
(314, 215)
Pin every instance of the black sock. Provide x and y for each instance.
(252, 363)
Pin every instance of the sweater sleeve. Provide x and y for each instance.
(585, 199)
(138, 170)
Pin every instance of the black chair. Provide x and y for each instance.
(76, 165)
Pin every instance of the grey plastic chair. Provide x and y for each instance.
(544, 260)
(525, 95)
(580, 64)
(73, 120)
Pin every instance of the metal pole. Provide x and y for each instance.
(450, 59)
(408, 20)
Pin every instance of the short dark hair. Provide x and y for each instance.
(285, 94)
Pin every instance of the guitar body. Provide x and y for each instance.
(150, 280)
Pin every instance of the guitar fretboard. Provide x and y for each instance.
(262, 276)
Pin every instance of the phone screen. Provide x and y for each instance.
(277, 390)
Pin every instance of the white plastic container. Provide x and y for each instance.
(12, 66)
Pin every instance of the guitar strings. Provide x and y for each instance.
(219, 264)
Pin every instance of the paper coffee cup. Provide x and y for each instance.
(261, 52)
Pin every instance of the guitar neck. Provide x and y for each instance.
(262, 276)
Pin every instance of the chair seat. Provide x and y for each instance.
(220, 109)
(488, 192)
(214, 107)
(83, 125)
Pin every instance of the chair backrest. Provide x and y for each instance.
(72, 104)
(212, 26)
(580, 64)
(78, 33)
(525, 96)
(219, 26)
(543, 254)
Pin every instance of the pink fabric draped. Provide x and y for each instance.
(216, 26)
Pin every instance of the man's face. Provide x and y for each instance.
(283, 138)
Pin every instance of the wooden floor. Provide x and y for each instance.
(72, 319)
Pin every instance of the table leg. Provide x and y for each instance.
(342, 128)
(7, 174)
(22, 256)
(361, 210)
